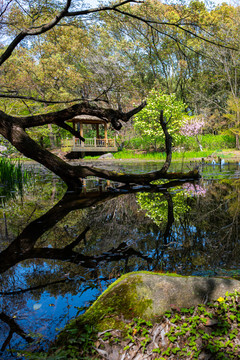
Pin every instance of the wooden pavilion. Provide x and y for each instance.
(91, 146)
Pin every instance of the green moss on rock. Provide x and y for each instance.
(145, 295)
(120, 301)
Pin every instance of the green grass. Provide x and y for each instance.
(161, 156)
(127, 154)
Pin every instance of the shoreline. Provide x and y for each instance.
(227, 156)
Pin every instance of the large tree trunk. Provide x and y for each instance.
(237, 142)
(13, 129)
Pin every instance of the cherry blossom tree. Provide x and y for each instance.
(193, 127)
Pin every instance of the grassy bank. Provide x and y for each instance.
(128, 154)
(228, 154)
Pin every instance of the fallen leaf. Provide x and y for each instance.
(210, 322)
(36, 306)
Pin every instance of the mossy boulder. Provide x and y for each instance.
(143, 296)
(149, 295)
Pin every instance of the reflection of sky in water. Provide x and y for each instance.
(48, 314)
(56, 311)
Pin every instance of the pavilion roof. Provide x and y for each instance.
(87, 119)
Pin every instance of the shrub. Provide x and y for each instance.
(208, 141)
(216, 142)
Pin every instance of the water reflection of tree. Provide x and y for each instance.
(164, 209)
(205, 239)
(115, 219)
(14, 328)
(23, 247)
(213, 226)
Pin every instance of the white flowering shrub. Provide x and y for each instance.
(147, 121)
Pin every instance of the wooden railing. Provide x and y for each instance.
(94, 142)
(77, 144)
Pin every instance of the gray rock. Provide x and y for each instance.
(106, 156)
(150, 295)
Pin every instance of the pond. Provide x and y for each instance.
(60, 250)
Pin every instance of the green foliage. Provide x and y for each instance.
(147, 121)
(139, 143)
(127, 154)
(80, 346)
(157, 207)
(233, 114)
(216, 142)
(189, 328)
(185, 143)
(139, 328)
(208, 142)
(12, 177)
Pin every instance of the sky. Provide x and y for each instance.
(94, 3)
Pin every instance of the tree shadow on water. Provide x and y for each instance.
(23, 247)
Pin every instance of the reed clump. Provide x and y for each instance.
(12, 176)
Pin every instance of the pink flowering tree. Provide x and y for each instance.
(193, 127)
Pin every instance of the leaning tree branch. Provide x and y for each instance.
(50, 102)
(33, 31)
(13, 129)
(67, 127)
(153, 23)
(37, 30)
(83, 108)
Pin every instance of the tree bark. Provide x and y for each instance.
(168, 144)
(237, 142)
(13, 129)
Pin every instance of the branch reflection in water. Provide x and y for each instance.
(23, 247)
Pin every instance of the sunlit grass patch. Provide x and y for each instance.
(128, 154)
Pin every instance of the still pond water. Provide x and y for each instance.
(60, 250)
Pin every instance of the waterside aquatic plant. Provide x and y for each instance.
(12, 177)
